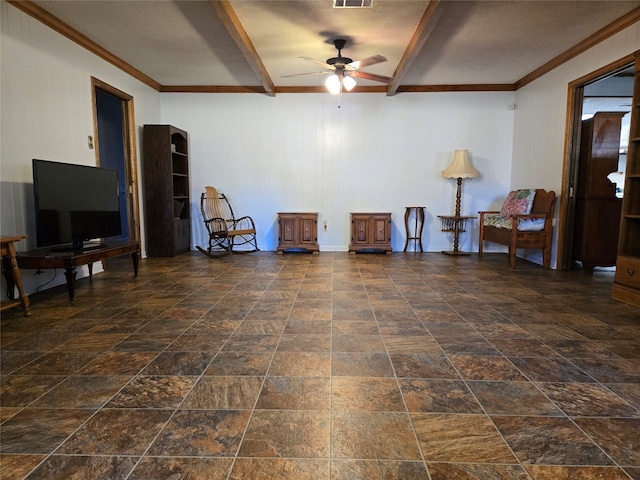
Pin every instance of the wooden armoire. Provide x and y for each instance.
(598, 209)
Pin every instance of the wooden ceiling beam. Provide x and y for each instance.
(604, 33)
(425, 27)
(230, 19)
(72, 34)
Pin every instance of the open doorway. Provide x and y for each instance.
(115, 148)
(588, 226)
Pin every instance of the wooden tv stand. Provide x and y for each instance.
(70, 259)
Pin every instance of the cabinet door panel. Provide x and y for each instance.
(380, 231)
(361, 227)
(307, 234)
(288, 230)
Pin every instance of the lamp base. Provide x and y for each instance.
(455, 253)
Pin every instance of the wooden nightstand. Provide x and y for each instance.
(298, 231)
(370, 231)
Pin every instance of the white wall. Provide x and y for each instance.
(300, 152)
(45, 93)
(541, 116)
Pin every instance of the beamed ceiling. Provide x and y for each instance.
(258, 45)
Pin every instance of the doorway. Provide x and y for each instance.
(115, 149)
(588, 95)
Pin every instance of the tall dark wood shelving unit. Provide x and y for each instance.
(166, 188)
(627, 280)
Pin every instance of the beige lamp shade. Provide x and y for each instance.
(460, 166)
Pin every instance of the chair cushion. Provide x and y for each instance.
(518, 202)
(524, 224)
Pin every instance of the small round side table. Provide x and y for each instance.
(416, 234)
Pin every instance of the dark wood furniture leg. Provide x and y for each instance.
(135, 258)
(12, 275)
(70, 274)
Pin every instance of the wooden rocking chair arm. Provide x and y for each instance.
(246, 217)
(220, 224)
(243, 221)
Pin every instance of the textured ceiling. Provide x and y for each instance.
(184, 44)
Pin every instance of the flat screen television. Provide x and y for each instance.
(74, 204)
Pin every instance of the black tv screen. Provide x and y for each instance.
(74, 203)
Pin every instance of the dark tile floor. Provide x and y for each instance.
(297, 366)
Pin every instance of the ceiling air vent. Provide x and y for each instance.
(352, 3)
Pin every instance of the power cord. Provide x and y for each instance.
(40, 272)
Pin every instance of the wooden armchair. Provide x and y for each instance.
(521, 230)
(225, 230)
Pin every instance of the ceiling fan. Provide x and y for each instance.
(344, 69)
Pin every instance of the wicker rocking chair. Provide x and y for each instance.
(225, 230)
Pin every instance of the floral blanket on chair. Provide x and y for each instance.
(518, 202)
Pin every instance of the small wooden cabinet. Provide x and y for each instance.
(298, 231)
(166, 188)
(370, 231)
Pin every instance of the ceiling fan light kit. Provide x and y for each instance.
(333, 84)
(348, 83)
(343, 69)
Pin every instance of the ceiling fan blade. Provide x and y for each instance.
(308, 73)
(370, 76)
(365, 62)
(324, 64)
